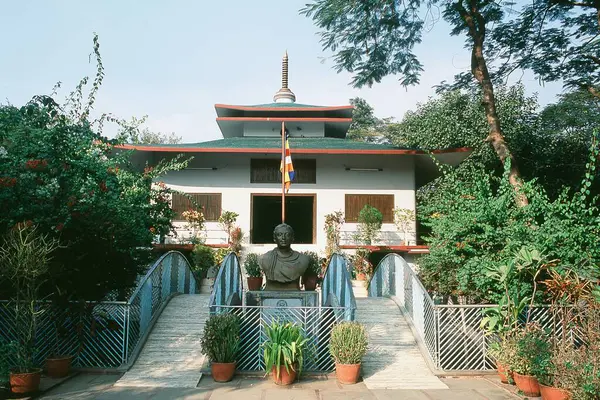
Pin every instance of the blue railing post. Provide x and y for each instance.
(166, 277)
(146, 305)
(180, 276)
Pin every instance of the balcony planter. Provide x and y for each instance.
(347, 374)
(528, 384)
(552, 393)
(58, 366)
(25, 382)
(222, 372)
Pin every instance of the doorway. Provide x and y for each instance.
(266, 215)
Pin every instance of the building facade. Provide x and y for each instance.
(241, 173)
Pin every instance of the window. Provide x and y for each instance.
(210, 201)
(382, 202)
(267, 170)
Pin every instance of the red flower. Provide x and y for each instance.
(36, 164)
(28, 222)
(8, 182)
(103, 186)
(147, 170)
(152, 230)
(60, 227)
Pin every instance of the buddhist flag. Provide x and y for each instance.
(289, 167)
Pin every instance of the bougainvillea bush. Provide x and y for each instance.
(59, 173)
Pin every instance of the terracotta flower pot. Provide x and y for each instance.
(552, 393)
(222, 372)
(285, 377)
(347, 373)
(27, 382)
(254, 283)
(59, 366)
(361, 277)
(310, 282)
(503, 373)
(528, 384)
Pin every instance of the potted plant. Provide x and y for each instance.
(553, 373)
(220, 343)
(503, 352)
(531, 348)
(255, 274)
(312, 272)
(204, 259)
(284, 352)
(404, 218)
(58, 364)
(24, 256)
(348, 345)
(361, 264)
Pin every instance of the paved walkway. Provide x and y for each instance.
(100, 387)
(171, 357)
(393, 359)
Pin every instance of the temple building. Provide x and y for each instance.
(241, 173)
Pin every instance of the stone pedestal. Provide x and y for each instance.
(283, 298)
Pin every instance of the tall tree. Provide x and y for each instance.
(376, 38)
(365, 125)
(132, 132)
(557, 39)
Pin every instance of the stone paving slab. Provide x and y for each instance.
(101, 387)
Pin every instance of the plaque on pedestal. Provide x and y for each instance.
(305, 298)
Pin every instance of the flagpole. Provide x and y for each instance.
(283, 172)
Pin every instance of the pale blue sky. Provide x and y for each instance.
(173, 60)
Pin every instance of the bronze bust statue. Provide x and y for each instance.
(283, 266)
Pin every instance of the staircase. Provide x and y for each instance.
(393, 359)
(171, 356)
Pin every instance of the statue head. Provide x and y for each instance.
(283, 235)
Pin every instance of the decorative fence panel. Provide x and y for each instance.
(315, 322)
(101, 334)
(450, 334)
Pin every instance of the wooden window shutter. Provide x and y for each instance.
(211, 202)
(356, 202)
(267, 170)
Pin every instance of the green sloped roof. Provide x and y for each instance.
(275, 143)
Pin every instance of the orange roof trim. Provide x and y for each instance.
(250, 108)
(282, 119)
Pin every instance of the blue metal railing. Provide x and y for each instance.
(336, 289)
(228, 287)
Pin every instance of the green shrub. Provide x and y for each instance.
(251, 266)
(204, 258)
(314, 267)
(532, 348)
(285, 345)
(348, 343)
(220, 255)
(221, 338)
(369, 224)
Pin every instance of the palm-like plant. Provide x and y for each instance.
(285, 345)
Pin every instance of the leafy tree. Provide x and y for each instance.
(59, 173)
(365, 125)
(476, 226)
(556, 39)
(132, 132)
(376, 38)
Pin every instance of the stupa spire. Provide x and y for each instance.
(284, 95)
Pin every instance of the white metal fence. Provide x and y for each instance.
(450, 334)
(104, 334)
